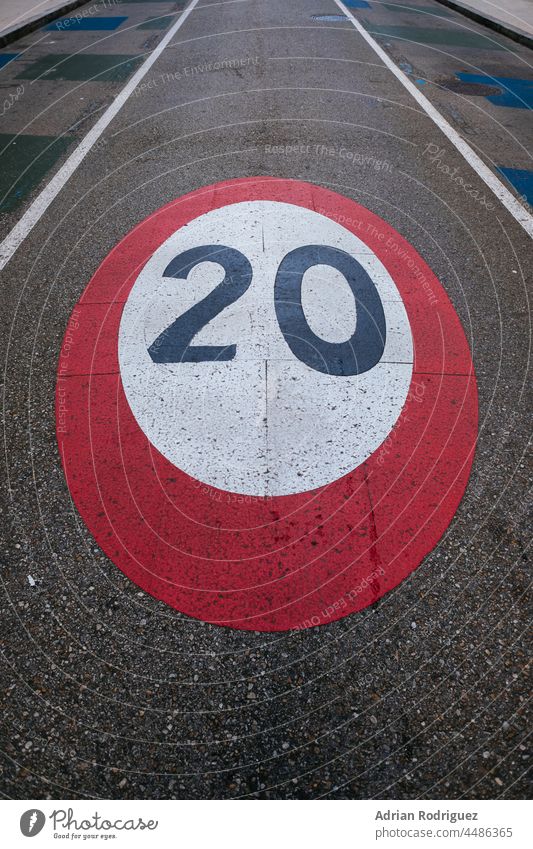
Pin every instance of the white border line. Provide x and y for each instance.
(503, 194)
(41, 203)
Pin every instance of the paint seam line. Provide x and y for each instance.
(41, 203)
(503, 194)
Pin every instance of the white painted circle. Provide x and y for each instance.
(263, 423)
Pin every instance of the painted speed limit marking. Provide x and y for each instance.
(266, 405)
(250, 368)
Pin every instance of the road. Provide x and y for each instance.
(110, 692)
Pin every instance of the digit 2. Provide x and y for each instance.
(173, 345)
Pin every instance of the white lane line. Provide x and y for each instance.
(503, 194)
(41, 203)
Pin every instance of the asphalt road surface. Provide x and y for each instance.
(110, 689)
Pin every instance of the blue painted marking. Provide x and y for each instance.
(6, 58)
(522, 180)
(70, 24)
(518, 94)
(356, 4)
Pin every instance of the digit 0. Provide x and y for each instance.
(365, 347)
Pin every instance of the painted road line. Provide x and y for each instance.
(266, 406)
(41, 203)
(521, 215)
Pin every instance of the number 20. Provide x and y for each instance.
(358, 354)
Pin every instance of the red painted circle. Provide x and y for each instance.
(291, 561)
